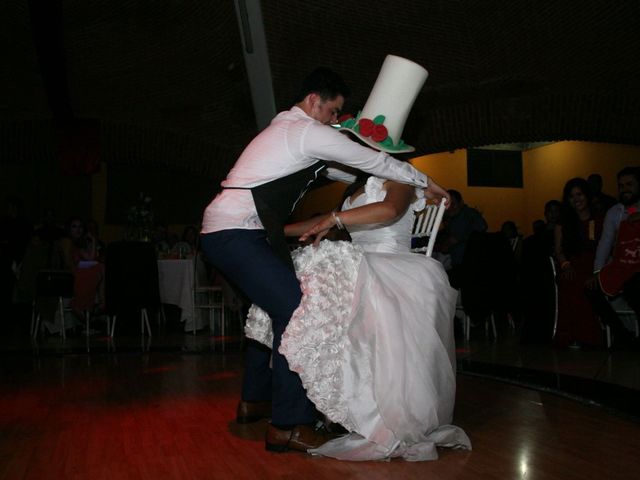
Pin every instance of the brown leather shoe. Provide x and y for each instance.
(301, 438)
(249, 412)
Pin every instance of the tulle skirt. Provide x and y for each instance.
(372, 341)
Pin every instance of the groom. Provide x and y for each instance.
(243, 238)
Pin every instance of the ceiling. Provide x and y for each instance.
(167, 84)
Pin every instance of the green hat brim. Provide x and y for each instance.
(402, 148)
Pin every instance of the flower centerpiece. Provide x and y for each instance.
(140, 220)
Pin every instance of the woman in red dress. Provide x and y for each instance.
(576, 239)
(81, 258)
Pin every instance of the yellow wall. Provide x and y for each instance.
(545, 171)
(495, 204)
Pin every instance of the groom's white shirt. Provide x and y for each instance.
(292, 142)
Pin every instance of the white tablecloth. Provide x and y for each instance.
(176, 288)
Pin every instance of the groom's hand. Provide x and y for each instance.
(319, 230)
(436, 192)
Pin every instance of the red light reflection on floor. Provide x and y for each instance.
(219, 376)
(220, 338)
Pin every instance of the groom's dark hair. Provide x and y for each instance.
(325, 82)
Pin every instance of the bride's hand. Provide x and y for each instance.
(319, 230)
(436, 192)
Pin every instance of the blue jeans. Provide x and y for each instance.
(246, 259)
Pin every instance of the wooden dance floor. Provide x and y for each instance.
(166, 411)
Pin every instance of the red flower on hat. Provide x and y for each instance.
(373, 128)
(366, 127)
(344, 116)
(379, 133)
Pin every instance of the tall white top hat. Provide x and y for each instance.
(381, 121)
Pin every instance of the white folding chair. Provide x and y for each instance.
(427, 224)
(555, 292)
(466, 321)
(51, 284)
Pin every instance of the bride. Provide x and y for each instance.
(372, 339)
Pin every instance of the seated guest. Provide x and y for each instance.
(77, 245)
(576, 239)
(552, 217)
(629, 197)
(190, 236)
(41, 254)
(510, 231)
(188, 244)
(600, 202)
(80, 257)
(540, 244)
(163, 241)
(538, 285)
(617, 261)
(461, 221)
(92, 231)
(538, 227)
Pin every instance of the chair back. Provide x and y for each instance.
(489, 281)
(131, 277)
(620, 306)
(426, 224)
(54, 283)
(555, 296)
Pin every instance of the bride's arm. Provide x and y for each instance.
(395, 204)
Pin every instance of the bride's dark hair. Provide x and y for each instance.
(361, 179)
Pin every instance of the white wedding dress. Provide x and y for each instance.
(372, 340)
